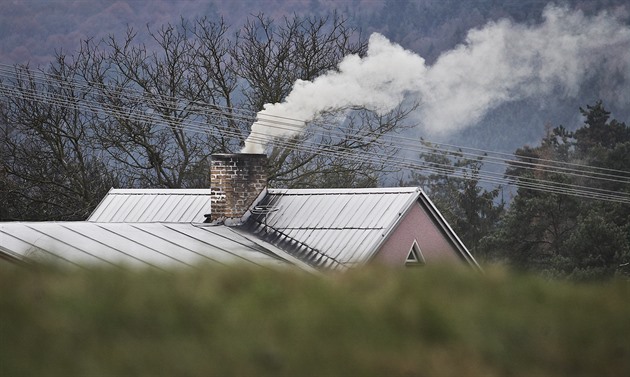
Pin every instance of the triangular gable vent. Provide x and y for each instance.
(415, 257)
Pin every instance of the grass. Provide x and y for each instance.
(436, 321)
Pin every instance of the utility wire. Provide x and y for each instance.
(272, 125)
(170, 103)
(357, 138)
(367, 157)
(151, 119)
(314, 148)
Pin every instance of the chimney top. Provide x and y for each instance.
(236, 182)
(238, 155)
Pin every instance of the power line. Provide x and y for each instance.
(490, 157)
(250, 117)
(166, 102)
(196, 126)
(278, 125)
(141, 118)
(312, 147)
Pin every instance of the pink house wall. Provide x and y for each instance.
(416, 225)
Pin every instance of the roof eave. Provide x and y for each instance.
(11, 257)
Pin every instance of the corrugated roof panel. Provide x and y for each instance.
(349, 243)
(147, 208)
(180, 211)
(136, 206)
(282, 213)
(330, 209)
(22, 242)
(354, 210)
(324, 211)
(168, 205)
(111, 207)
(153, 205)
(337, 212)
(314, 237)
(159, 245)
(135, 245)
(390, 207)
(393, 206)
(259, 251)
(298, 234)
(346, 245)
(362, 210)
(355, 191)
(319, 210)
(326, 239)
(200, 206)
(368, 214)
(378, 213)
(362, 246)
(193, 244)
(306, 221)
(54, 242)
(110, 243)
(127, 207)
(190, 239)
(191, 204)
(345, 224)
(230, 243)
(358, 214)
(83, 239)
(293, 212)
(180, 208)
(296, 212)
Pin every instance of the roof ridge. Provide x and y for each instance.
(158, 191)
(342, 191)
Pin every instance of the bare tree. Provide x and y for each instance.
(221, 99)
(355, 153)
(50, 168)
(149, 99)
(273, 56)
(148, 109)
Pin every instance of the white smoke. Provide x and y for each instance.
(500, 62)
(379, 81)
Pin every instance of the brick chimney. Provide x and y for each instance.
(236, 181)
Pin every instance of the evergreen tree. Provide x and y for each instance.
(563, 235)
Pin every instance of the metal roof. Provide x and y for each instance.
(153, 205)
(156, 245)
(329, 228)
(333, 228)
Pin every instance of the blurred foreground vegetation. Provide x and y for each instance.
(234, 321)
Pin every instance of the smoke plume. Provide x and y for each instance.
(500, 62)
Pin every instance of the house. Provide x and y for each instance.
(239, 220)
